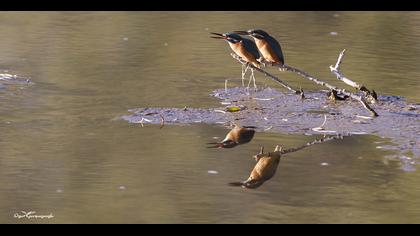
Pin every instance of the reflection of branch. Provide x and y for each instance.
(371, 96)
(282, 151)
(265, 73)
(316, 141)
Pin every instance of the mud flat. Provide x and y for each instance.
(273, 111)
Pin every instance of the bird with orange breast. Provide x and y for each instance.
(238, 135)
(264, 169)
(244, 48)
(268, 46)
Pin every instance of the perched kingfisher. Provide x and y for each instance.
(268, 46)
(238, 135)
(244, 48)
(264, 169)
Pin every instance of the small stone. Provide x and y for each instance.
(410, 108)
(213, 172)
(324, 164)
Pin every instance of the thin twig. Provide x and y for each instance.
(162, 123)
(335, 70)
(321, 127)
(220, 111)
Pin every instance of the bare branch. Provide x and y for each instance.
(371, 95)
(266, 73)
(331, 87)
(340, 58)
(309, 77)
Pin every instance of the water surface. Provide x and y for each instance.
(63, 152)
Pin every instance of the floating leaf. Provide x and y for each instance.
(233, 109)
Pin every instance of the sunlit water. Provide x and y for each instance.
(64, 151)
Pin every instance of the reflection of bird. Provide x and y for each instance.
(264, 169)
(238, 135)
(244, 48)
(268, 46)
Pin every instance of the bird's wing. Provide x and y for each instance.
(251, 47)
(277, 48)
(246, 136)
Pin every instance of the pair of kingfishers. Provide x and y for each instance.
(265, 48)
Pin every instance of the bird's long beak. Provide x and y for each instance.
(240, 32)
(219, 36)
(215, 145)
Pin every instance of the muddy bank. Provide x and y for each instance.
(273, 111)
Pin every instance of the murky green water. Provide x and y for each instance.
(63, 152)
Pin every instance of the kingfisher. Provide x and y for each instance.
(244, 48)
(268, 46)
(238, 135)
(264, 169)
